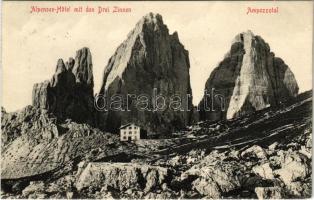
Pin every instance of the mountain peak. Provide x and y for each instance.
(155, 18)
(248, 33)
(250, 78)
(60, 66)
(148, 26)
(149, 59)
(83, 67)
(69, 93)
(244, 36)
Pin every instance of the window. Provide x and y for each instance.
(135, 127)
(124, 137)
(124, 132)
(130, 127)
(130, 132)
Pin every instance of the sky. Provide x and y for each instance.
(33, 42)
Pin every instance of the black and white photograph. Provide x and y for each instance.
(156, 99)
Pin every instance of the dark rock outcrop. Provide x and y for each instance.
(249, 78)
(149, 60)
(69, 94)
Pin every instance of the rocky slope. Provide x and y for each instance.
(69, 94)
(33, 142)
(249, 78)
(149, 60)
(212, 160)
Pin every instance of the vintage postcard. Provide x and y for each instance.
(156, 99)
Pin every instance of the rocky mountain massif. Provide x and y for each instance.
(249, 78)
(53, 149)
(266, 154)
(69, 93)
(149, 59)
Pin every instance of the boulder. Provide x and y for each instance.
(254, 152)
(309, 143)
(34, 187)
(162, 195)
(215, 179)
(306, 151)
(264, 171)
(207, 188)
(296, 188)
(268, 192)
(122, 176)
(273, 146)
(251, 181)
(294, 167)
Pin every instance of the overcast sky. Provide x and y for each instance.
(32, 43)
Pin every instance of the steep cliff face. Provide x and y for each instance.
(69, 94)
(249, 78)
(150, 62)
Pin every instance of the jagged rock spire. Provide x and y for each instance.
(69, 94)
